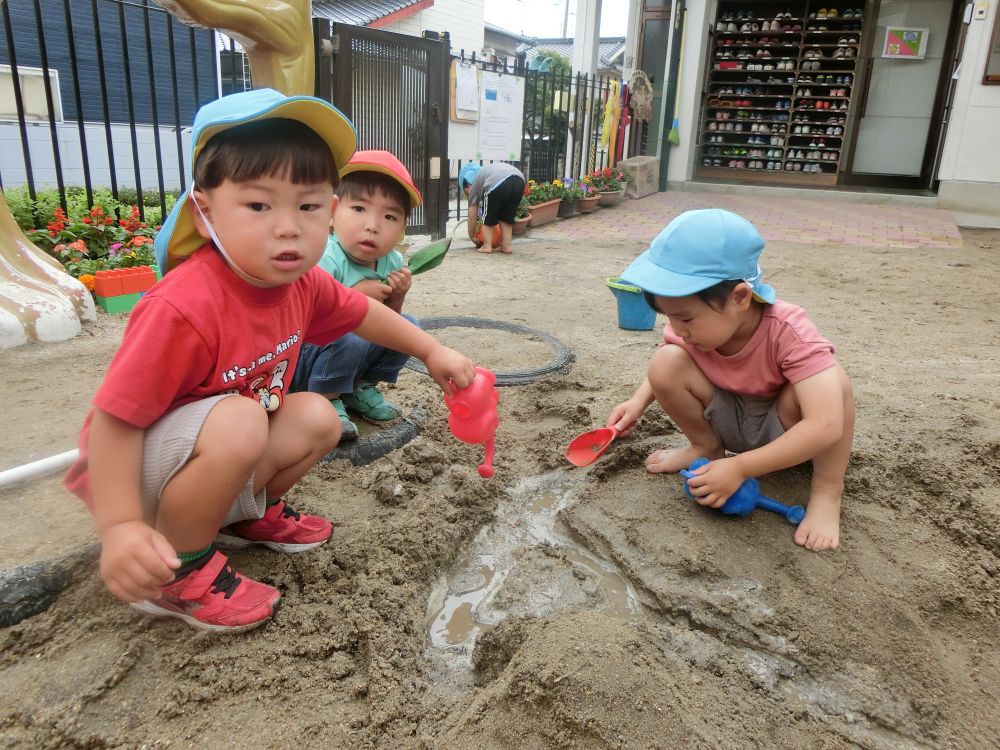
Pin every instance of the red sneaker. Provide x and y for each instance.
(215, 598)
(281, 529)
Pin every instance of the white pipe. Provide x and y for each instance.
(38, 468)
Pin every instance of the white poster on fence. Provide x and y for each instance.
(501, 113)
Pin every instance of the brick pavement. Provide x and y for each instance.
(788, 220)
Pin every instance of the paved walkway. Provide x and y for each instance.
(789, 220)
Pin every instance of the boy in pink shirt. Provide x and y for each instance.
(740, 372)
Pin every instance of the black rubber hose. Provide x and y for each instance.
(28, 590)
(366, 449)
(562, 358)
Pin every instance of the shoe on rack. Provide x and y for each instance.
(369, 404)
(214, 598)
(281, 529)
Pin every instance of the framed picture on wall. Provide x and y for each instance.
(905, 43)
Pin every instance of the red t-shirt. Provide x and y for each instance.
(202, 331)
(786, 348)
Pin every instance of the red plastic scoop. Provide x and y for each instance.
(589, 446)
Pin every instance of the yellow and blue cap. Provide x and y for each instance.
(178, 237)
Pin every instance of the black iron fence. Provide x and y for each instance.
(104, 94)
(568, 122)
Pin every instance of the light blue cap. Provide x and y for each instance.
(178, 237)
(697, 250)
(467, 175)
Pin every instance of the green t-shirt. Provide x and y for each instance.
(347, 272)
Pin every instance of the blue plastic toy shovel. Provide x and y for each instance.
(746, 498)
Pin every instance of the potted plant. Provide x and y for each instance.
(587, 203)
(544, 199)
(522, 217)
(570, 195)
(610, 183)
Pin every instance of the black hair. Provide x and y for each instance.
(363, 184)
(273, 147)
(715, 296)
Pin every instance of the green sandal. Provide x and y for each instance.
(369, 404)
(348, 430)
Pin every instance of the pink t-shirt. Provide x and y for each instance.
(786, 348)
(202, 331)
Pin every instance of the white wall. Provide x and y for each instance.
(462, 19)
(43, 162)
(970, 163)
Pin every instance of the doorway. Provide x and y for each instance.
(906, 79)
(654, 36)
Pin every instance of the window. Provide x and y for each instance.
(32, 82)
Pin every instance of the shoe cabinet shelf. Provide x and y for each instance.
(778, 93)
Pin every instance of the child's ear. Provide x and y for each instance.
(742, 296)
(333, 209)
(201, 200)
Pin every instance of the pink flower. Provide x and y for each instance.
(115, 248)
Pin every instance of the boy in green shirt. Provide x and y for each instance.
(375, 198)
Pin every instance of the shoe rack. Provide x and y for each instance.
(778, 93)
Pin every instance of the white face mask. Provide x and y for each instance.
(222, 250)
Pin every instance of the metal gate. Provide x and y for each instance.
(394, 89)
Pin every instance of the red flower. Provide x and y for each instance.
(86, 220)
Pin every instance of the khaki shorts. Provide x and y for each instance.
(167, 448)
(743, 423)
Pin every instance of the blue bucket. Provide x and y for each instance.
(633, 312)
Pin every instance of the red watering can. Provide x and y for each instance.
(473, 415)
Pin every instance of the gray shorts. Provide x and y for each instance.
(743, 423)
(166, 449)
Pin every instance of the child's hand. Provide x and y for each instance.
(624, 417)
(136, 560)
(400, 282)
(374, 289)
(715, 482)
(451, 370)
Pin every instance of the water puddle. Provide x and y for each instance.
(522, 564)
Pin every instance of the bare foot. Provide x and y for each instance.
(507, 250)
(673, 460)
(484, 249)
(820, 529)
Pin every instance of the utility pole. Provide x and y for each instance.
(565, 18)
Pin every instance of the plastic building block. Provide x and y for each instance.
(121, 303)
(107, 283)
(137, 279)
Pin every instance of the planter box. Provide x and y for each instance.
(520, 225)
(543, 213)
(588, 205)
(611, 198)
(567, 208)
(644, 172)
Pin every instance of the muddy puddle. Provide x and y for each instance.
(524, 564)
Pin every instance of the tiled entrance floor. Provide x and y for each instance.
(789, 220)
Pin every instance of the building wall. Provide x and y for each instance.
(970, 165)
(463, 19)
(54, 30)
(43, 167)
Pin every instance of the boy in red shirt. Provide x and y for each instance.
(740, 372)
(170, 456)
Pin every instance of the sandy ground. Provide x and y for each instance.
(741, 639)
